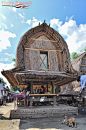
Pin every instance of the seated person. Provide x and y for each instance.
(50, 90)
(21, 98)
(43, 90)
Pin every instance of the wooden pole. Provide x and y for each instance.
(53, 91)
(31, 93)
(47, 87)
(52, 83)
(31, 87)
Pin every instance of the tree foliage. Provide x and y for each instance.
(74, 55)
(15, 88)
(11, 88)
(83, 50)
(3, 82)
(14, 60)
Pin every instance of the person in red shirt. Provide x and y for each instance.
(44, 89)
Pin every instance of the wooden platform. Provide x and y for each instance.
(43, 111)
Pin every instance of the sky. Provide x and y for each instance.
(67, 17)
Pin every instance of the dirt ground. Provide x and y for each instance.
(53, 123)
(50, 123)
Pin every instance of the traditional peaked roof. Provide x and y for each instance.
(79, 63)
(41, 38)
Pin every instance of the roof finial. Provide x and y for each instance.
(44, 21)
(49, 25)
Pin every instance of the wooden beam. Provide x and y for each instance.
(37, 80)
(41, 49)
(82, 65)
(44, 40)
(34, 95)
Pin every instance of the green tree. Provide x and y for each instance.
(74, 55)
(14, 60)
(11, 88)
(3, 82)
(83, 50)
(15, 88)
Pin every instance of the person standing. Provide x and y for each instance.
(4, 97)
(1, 90)
(82, 80)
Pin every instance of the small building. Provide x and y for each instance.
(42, 58)
(73, 88)
(79, 64)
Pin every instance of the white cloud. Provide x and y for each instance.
(12, 25)
(14, 9)
(4, 25)
(55, 22)
(68, 28)
(4, 59)
(71, 17)
(5, 67)
(3, 16)
(9, 54)
(76, 35)
(22, 21)
(4, 39)
(66, 17)
(28, 21)
(20, 15)
(34, 22)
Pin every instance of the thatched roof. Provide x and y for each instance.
(41, 38)
(43, 77)
(79, 63)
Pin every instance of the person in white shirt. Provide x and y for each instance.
(82, 80)
(1, 90)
